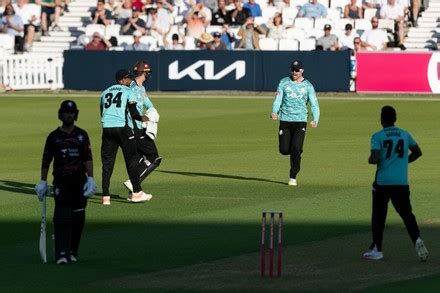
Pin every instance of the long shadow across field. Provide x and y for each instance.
(225, 176)
(112, 250)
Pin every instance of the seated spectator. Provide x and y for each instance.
(228, 37)
(217, 44)
(221, 15)
(415, 9)
(283, 4)
(240, 14)
(164, 10)
(101, 15)
(204, 41)
(372, 4)
(328, 41)
(98, 43)
(253, 7)
(375, 39)
(175, 44)
(346, 40)
(134, 23)
(352, 10)
(270, 10)
(357, 45)
(12, 24)
(137, 45)
(313, 9)
(195, 23)
(49, 8)
(249, 33)
(275, 26)
(394, 11)
(124, 12)
(204, 12)
(113, 6)
(31, 20)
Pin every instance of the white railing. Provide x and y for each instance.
(26, 72)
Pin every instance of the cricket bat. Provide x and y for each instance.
(43, 253)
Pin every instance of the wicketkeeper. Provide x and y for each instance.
(69, 147)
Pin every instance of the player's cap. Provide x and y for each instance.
(137, 33)
(68, 106)
(142, 66)
(121, 74)
(296, 65)
(327, 27)
(348, 26)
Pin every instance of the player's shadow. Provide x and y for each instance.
(221, 176)
(17, 187)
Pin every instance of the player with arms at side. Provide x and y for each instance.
(294, 93)
(69, 147)
(118, 110)
(390, 152)
(144, 140)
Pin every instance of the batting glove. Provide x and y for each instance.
(89, 187)
(41, 189)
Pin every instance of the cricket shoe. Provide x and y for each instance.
(73, 258)
(140, 196)
(128, 185)
(62, 261)
(106, 200)
(373, 254)
(292, 182)
(421, 250)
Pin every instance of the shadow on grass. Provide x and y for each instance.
(225, 176)
(17, 187)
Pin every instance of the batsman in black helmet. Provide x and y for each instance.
(69, 147)
(145, 132)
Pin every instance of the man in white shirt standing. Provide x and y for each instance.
(395, 11)
(375, 39)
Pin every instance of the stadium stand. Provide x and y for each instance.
(300, 33)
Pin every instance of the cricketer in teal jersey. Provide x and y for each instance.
(390, 152)
(146, 146)
(118, 109)
(294, 94)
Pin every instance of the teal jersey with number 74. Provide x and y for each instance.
(393, 144)
(114, 106)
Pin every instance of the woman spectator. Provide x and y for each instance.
(195, 23)
(352, 10)
(217, 44)
(275, 26)
(12, 24)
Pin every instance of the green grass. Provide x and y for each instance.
(220, 169)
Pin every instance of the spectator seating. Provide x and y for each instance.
(304, 23)
(307, 45)
(369, 13)
(268, 44)
(289, 15)
(387, 24)
(7, 43)
(288, 45)
(92, 28)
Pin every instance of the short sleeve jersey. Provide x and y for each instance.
(114, 106)
(393, 145)
(292, 98)
(142, 100)
(69, 152)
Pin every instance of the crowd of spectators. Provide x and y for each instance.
(23, 18)
(231, 24)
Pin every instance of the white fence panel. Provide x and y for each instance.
(26, 72)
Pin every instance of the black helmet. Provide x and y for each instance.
(68, 106)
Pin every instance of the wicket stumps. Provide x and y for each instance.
(271, 243)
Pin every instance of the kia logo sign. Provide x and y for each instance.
(208, 73)
(434, 73)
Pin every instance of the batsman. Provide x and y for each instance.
(69, 148)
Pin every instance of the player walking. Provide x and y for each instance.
(144, 140)
(69, 147)
(117, 131)
(390, 152)
(294, 93)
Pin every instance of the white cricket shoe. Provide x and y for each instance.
(106, 200)
(421, 250)
(140, 196)
(292, 182)
(73, 258)
(128, 185)
(373, 254)
(62, 261)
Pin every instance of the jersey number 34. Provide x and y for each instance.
(388, 144)
(110, 99)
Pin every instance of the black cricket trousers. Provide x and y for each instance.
(112, 139)
(291, 141)
(399, 195)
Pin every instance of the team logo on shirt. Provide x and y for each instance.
(64, 152)
(56, 192)
(80, 137)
